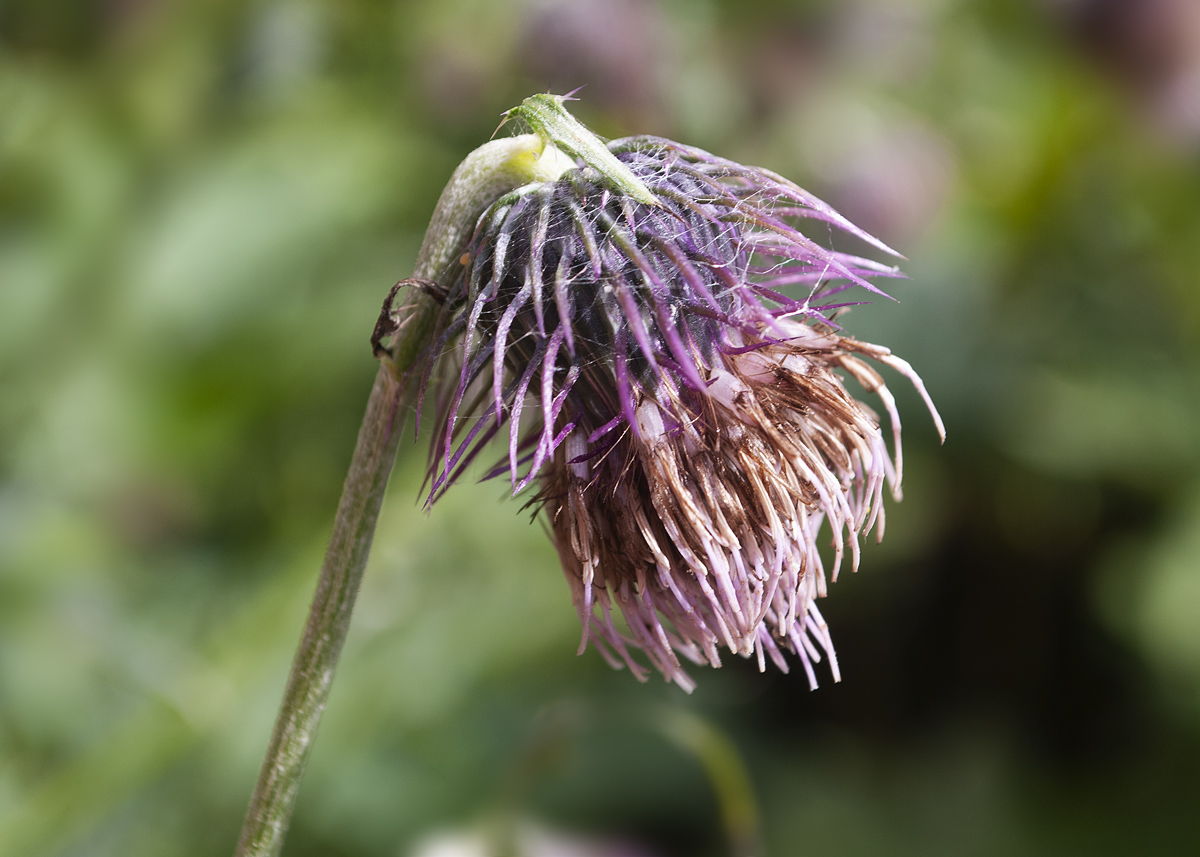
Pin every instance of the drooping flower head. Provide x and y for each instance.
(650, 335)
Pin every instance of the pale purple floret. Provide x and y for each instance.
(679, 409)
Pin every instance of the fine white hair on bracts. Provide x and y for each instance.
(685, 421)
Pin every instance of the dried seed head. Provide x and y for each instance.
(685, 420)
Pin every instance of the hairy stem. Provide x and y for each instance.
(328, 620)
(489, 172)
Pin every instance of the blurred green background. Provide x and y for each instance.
(202, 206)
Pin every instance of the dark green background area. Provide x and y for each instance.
(202, 206)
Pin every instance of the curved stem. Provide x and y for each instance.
(726, 771)
(487, 173)
(328, 620)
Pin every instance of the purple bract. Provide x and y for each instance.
(682, 416)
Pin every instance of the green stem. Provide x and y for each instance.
(489, 172)
(328, 620)
(726, 772)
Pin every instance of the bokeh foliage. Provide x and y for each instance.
(202, 205)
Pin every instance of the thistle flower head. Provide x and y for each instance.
(681, 420)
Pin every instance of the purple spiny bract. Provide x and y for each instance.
(681, 414)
